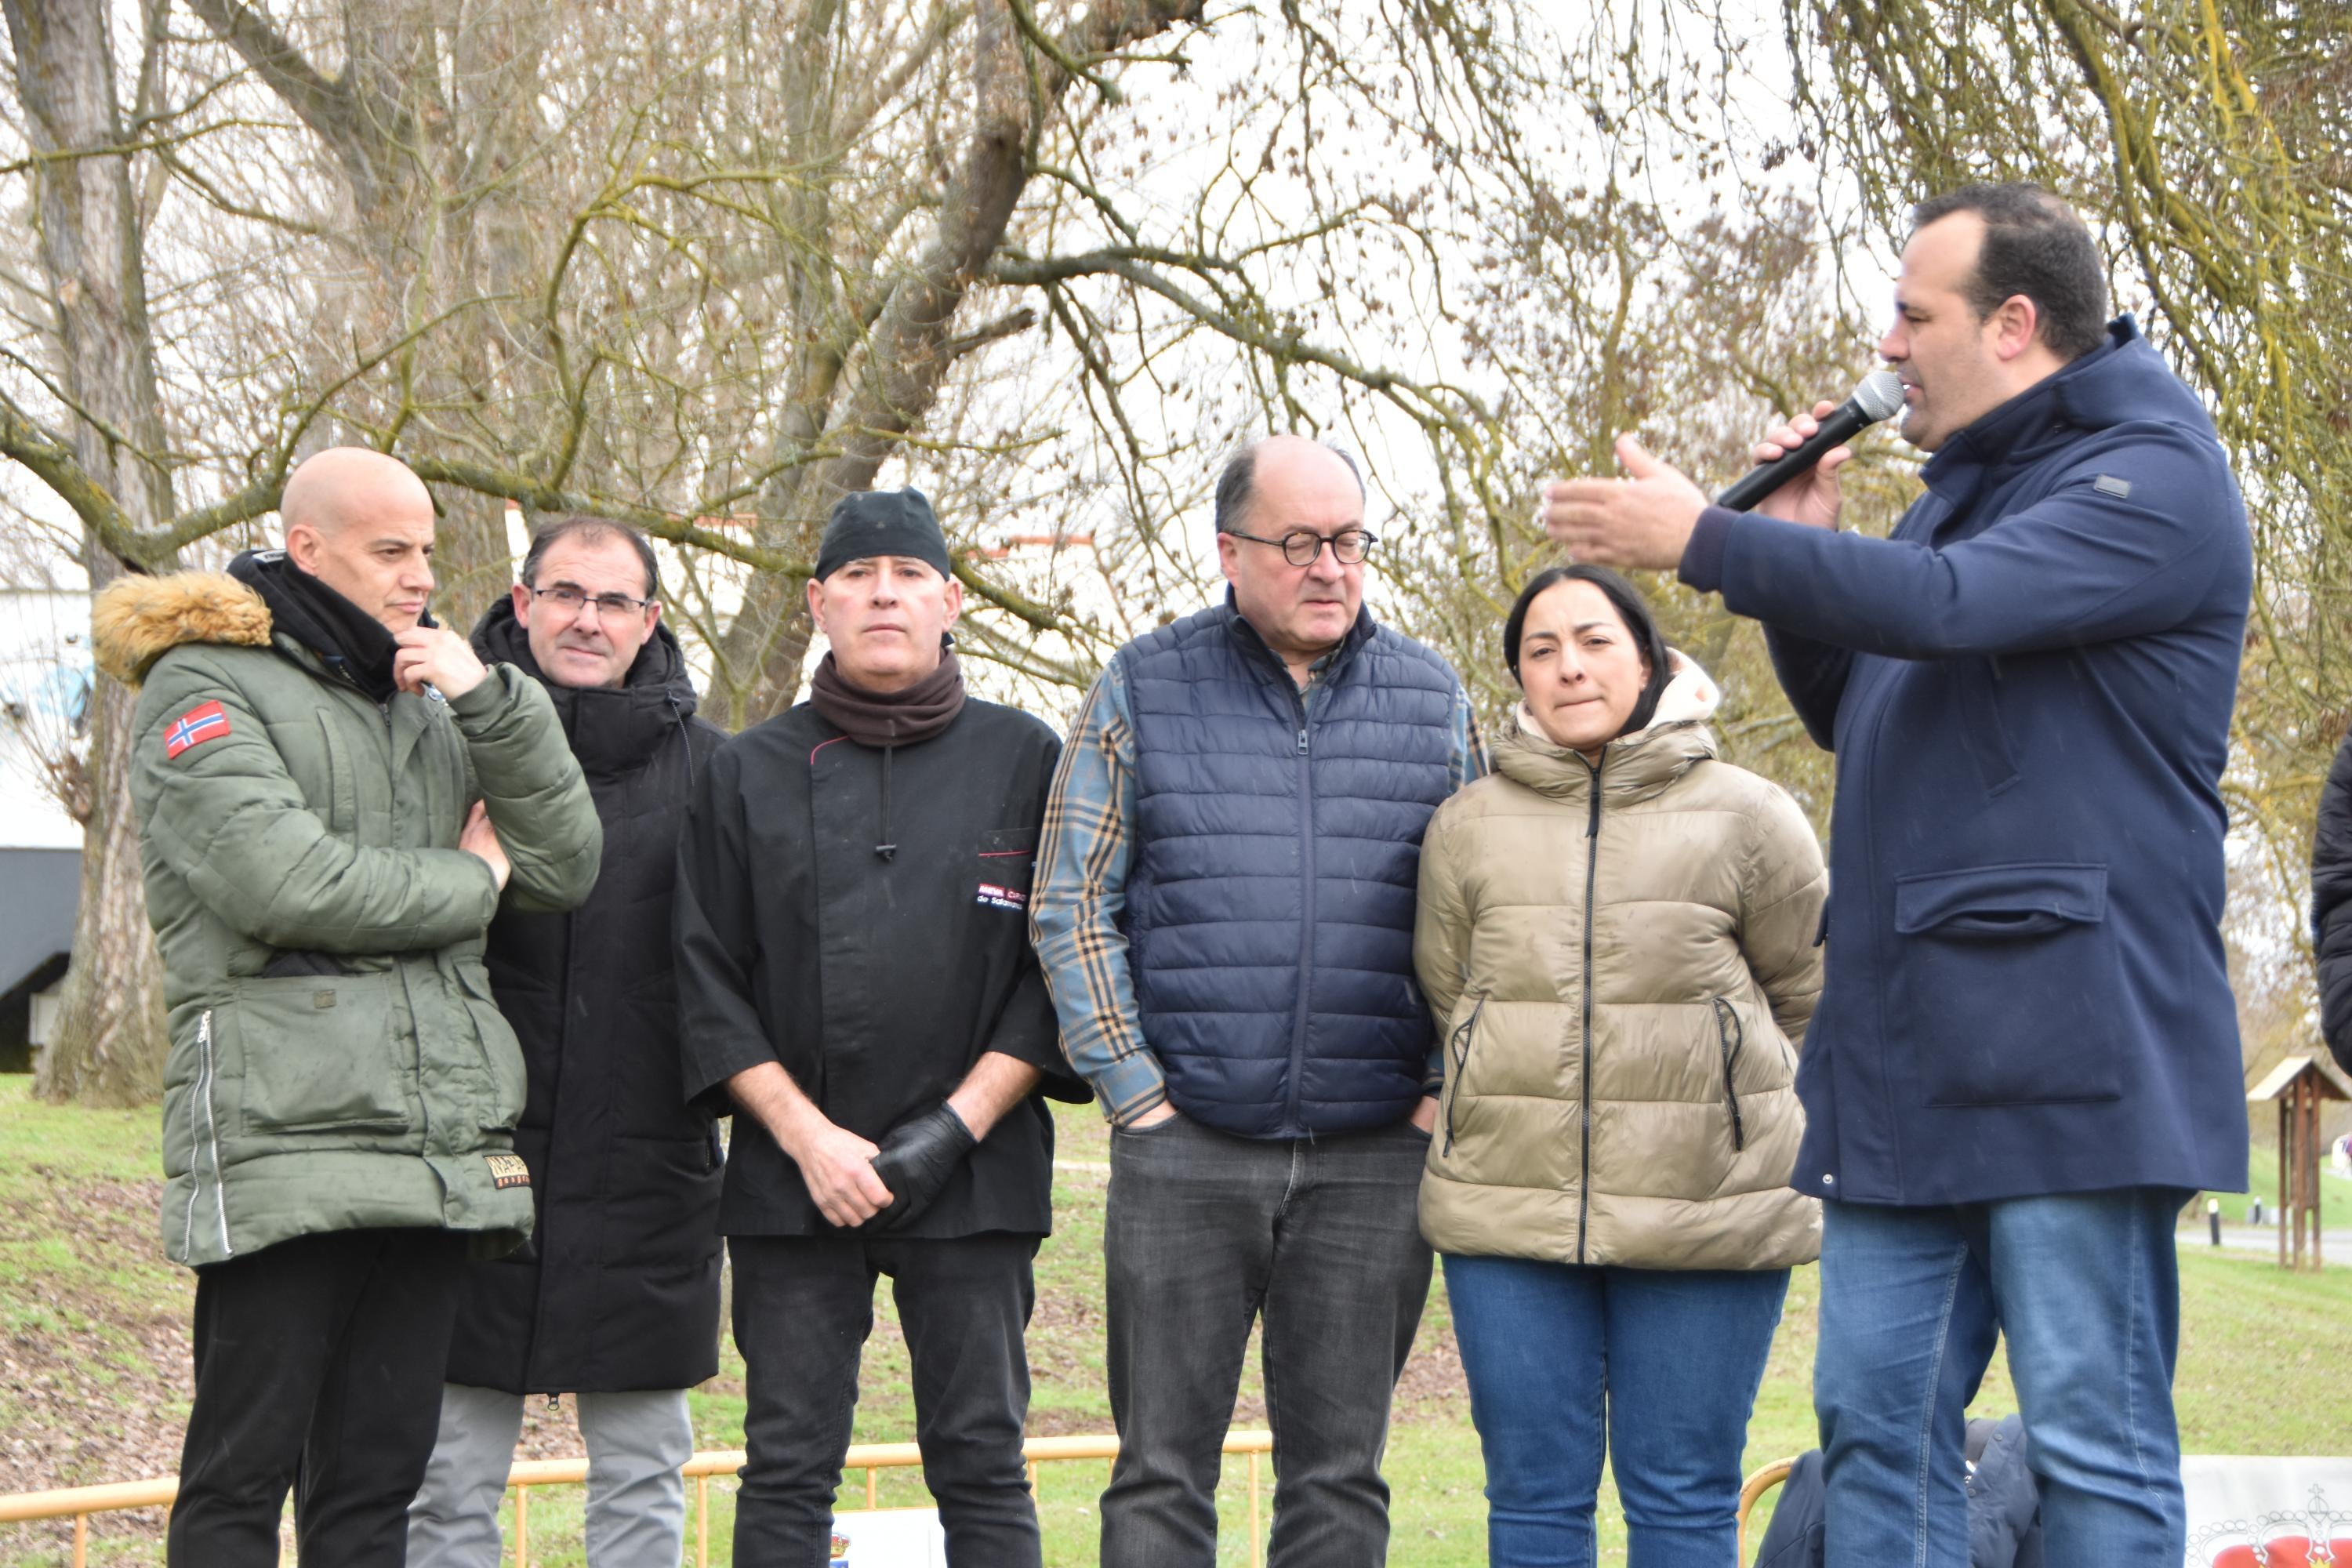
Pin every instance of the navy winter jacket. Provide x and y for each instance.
(2028, 687)
(2331, 905)
(2004, 1505)
(1270, 910)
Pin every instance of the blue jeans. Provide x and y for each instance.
(2087, 1290)
(1665, 1364)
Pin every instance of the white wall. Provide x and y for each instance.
(44, 668)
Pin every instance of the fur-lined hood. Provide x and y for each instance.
(1691, 697)
(1639, 763)
(137, 620)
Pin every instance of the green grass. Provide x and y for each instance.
(2249, 1333)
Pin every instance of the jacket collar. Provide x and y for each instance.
(2124, 379)
(612, 730)
(356, 647)
(1632, 767)
(1239, 627)
(137, 619)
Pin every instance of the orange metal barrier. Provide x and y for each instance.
(77, 1503)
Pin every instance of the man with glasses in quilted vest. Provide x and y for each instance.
(1225, 910)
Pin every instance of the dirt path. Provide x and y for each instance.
(93, 1344)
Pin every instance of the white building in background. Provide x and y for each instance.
(45, 677)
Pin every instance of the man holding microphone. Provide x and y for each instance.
(2026, 1053)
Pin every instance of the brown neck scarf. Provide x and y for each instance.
(889, 719)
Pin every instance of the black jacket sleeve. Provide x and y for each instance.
(1028, 1031)
(2331, 906)
(719, 1029)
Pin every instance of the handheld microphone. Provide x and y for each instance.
(1879, 397)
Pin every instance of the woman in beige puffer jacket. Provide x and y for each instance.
(1617, 935)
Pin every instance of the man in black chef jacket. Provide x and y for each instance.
(856, 984)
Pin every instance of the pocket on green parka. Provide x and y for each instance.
(318, 1053)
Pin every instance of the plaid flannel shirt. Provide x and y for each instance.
(1084, 855)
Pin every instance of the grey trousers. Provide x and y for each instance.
(636, 1498)
(1206, 1233)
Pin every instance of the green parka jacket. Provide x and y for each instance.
(1621, 980)
(336, 1063)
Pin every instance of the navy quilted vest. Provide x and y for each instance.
(1270, 903)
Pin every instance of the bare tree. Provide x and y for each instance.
(708, 265)
(92, 247)
(709, 298)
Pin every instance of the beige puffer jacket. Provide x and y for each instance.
(1621, 1089)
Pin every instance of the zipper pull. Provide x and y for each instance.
(1302, 740)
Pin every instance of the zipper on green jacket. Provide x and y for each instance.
(201, 1092)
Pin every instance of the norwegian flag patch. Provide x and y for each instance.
(207, 721)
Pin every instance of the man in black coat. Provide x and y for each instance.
(854, 976)
(617, 1301)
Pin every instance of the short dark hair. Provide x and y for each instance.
(1631, 609)
(1237, 483)
(583, 526)
(2034, 244)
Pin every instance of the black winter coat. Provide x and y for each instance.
(619, 1290)
(877, 983)
(2331, 906)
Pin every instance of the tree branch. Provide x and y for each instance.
(54, 463)
(325, 106)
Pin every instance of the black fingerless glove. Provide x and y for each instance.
(916, 1160)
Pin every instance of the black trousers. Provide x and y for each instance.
(318, 1367)
(804, 1307)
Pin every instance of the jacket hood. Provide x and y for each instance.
(2122, 381)
(136, 620)
(2125, 380)
(1634, 765)
(611, 729)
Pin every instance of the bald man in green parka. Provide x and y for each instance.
(334, 794)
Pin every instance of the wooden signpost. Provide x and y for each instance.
(2300, 1084)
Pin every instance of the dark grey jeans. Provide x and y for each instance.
(1204, 1232)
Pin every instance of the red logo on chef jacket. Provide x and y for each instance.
(994, 896)
(206, 722)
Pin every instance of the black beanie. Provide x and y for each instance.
(882, 523)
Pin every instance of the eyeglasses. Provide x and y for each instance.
(1300, 546)
(566, 597)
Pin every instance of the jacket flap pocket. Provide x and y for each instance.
(319, 1054)
(2001, 900)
